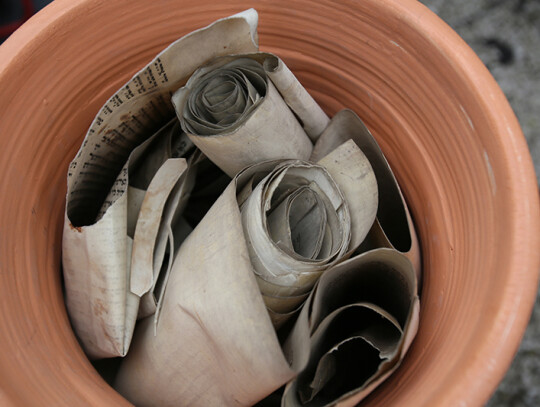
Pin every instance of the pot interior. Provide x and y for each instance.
(440, 119)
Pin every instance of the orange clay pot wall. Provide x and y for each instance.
(438, 115)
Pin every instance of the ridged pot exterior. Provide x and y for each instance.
(440, 118)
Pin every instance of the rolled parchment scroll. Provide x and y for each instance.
(244, 109)
(393, 227)
(361, 319)
(297, 224)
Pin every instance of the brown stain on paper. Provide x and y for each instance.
(77, 228)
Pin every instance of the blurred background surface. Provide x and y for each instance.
(506, 36)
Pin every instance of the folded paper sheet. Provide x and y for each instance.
(97, 259)
(96, 244)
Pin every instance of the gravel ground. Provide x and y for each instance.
(506, 36)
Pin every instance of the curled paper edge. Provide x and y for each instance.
(268, 132)
(146, 231)
(347, 125)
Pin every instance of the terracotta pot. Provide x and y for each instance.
(439, 116)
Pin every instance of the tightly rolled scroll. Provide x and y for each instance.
(297, 224)
(244, 109)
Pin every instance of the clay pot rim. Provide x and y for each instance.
(503, 338)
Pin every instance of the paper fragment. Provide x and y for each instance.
(214, 341)
(163, 231)
(149, 220)
(95, 228)
(351, 169)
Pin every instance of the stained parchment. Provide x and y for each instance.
(96, 244)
